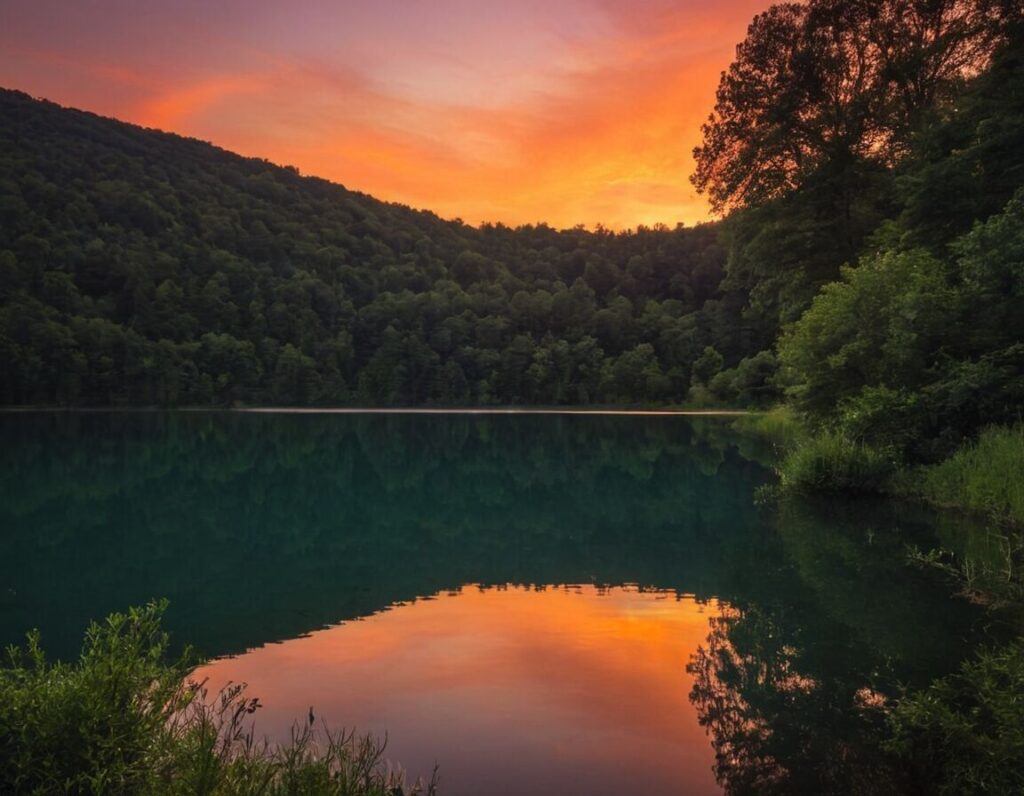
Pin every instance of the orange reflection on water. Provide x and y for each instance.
(510, 690)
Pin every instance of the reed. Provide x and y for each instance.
(986, 477)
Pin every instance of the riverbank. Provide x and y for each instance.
(357, 410)
(984, 477)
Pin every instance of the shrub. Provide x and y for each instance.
(831, 462)
(122, 719)
(964, 734)
(883, 414)
(93, 726)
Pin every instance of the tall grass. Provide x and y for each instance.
(986, 477)
(124, 719)
(832, 463)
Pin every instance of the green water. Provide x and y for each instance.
(265, 528)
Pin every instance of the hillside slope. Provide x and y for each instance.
(139, 267)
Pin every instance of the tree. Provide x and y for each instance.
(296, 381)
(831, 84)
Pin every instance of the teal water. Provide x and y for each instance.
(772, 632)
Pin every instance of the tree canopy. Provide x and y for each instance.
(830, 85)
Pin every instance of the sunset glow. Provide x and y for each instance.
(583, 111)
(509, 686)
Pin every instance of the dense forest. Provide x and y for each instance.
(868, 159)
(138, 267)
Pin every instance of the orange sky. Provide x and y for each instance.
(575, 111)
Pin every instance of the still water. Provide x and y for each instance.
(544, 604)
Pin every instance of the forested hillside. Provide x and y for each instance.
(138, 267)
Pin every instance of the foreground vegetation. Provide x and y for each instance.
(125, 719)
(965, 732)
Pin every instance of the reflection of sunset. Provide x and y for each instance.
(577, 112)
(564, 684)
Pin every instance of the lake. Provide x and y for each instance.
(537, 603)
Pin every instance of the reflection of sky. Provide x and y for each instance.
(517, 690)
(581, 111)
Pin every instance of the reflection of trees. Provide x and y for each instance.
(261, 527)
(774, 726)
(824, 628)
(743, 761)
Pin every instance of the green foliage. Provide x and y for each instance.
(138, 267)
(986, 477)
(879, 325)
(884, 238)
(917, 352)
(778, 425)
(707, 365)
(966, 162)
(94, 726)
(832, 462)
(750, 383)
(783, 252)
(124, 720)
(964, 734)
(825, 87)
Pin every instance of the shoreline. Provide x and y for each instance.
(352, 410)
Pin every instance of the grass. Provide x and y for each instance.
(986, 477)
(124, 719)
(830, 462)
(778, 426)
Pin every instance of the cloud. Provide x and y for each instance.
(172, 109)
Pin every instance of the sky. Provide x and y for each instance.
(514, 111)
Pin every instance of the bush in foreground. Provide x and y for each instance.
(964, 734)
(125, 719)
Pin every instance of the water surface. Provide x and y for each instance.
(542, 603)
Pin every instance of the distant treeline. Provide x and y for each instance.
(138, 267)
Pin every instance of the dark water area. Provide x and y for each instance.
(543, 604)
